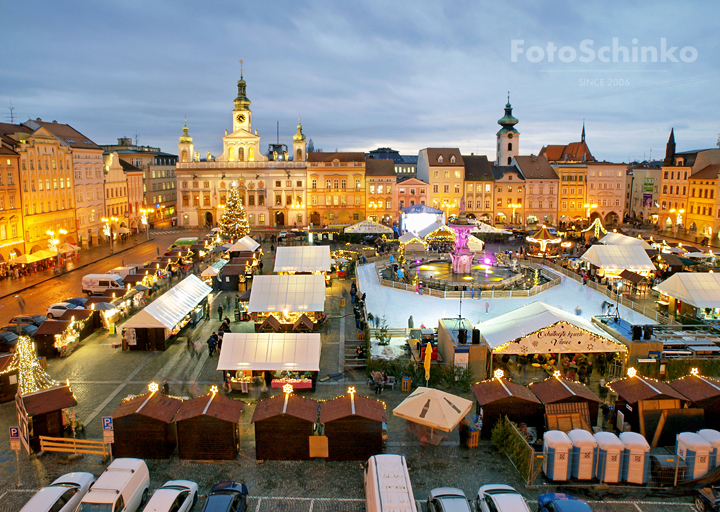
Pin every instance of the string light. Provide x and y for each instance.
(31, 376)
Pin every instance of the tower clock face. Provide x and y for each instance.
(510, 135)
(241, 118)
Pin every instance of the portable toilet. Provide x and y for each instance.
(695, 451)
(712, 437)
(609, 457)
(557, 451)
(584, 451)
(636, 458)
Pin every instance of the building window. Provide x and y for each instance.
(343, 184)
(357, 183)
(278, 200)
(457, 188)
(358, 200)
(261, 218)
(327, 184)
(335, 184)
(251, 218)
(356, 216)
(261, 200)
(487, 205)
(446, 188)
(436, 174)
(499, 203)
(435, 189)
(288, 200)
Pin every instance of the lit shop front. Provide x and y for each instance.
(287, 299)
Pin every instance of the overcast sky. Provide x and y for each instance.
(366, 74)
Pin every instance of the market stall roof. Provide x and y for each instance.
(298, 407)
(631, 276)
(408, 237)
(303, 258)
(540, 328)
(475, 244)
(167, 310)
(270, 351)
(52, 327)
(554, 390)
(635, 389)
(481, 227)
(494, 390)
(342, 407)
(245, 244)
(77, 314)
(436, 229)
(152, 405)
(697, 387)
(619, 257)
(613, 238)
(433, 408)
(699, 289)
(214, 269)
(213, 405)
(368, 226)
(287, 293)
(48, 400)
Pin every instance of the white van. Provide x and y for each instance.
(124, 271)
(387, 484)
(98, 283)
(122, 487)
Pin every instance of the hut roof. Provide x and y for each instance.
(341, 407)
(494, 390)
(79, 314)
(305, 321)
(52, 327)
(635, 389)
(48, 400)
(271, 322)
(555, 390)
(220, 407)
(153, 405)
(233, 270)
(299, 407)
(696, 387)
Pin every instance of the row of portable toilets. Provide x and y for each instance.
(624, 458)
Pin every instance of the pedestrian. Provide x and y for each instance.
(377, 380)
(157, 250)
(212, 343)
(21, 303)
(220, 312)
(272, 248)
(603, 390)
(371, 318)
(487, 307)
(226, 382)
(260, 265)
(198, 348)
(166, 388)
(472, 293)
(411, 322)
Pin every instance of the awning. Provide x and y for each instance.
(619, 257)
(631, 276)
(287, 293)
(613, 238)
(167, 310)
(304, 258)
(369, 226)
(245, 244)
(214, 269)
(270, 351)
(699, 289)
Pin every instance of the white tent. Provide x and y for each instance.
(287, 293)
(539, 328)
(613, 238)
(245, 244)
(369, 226)
(303, 258)
(214, 269)
(405, 238)
(167, 310)
(475, 244)
(619, 257)
(433, 227)
(699, 289)
(270, 351)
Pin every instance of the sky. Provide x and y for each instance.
(361, 75)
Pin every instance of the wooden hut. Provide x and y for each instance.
(568, 405)
(497, 398)
(144, 428)
(354, 431)
(45, 337)
(8, 379)
(703, 393)
(232, 278)
(303, 324)
(44, 410)
(207, 428)
(282, 431)
(270, 324)
(87, 317)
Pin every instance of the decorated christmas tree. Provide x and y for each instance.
(234, 223)
(31, 376)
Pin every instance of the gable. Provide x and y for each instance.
(560, 337)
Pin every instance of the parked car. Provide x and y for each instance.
(35, 320)
(559, 502)
(500, 498)
(63, 495)
(8, 340)
(448, 499)
(708, 499)
(27, 329)
(123, 487)
(226, 497)
(173, 496)
(57, 310)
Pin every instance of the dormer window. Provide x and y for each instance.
(440, 159)
(452, 159)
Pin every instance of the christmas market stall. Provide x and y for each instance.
(283, 427)
(45, 412)
(568, 405)
(245, 247)
(207, 427)
(411, 243)
(498, 397)
(144, 427)
(84, 321)
(703, 393)
(210, 274)
(354, 426)
(615, 238)
(287, 298)
(8, 378)
(693, 294)
(304, 259)
(56, 338)
(153, 327)
(236, 275)
(271, 359)
(610, 260)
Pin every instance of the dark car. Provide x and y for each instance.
(558, 502)
(226, 497)
(35, 320)
(7, 341)
(27, 329)
(708, 499)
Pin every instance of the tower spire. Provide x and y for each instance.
(670, 148)
(242, 102)
(582, 135)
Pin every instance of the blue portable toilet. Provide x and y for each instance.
(609, 457)
(695, 451)
(557, 452)
(712, 437)
(584, 451)
(636, 458)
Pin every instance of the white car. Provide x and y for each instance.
(500, 498)
(57, 310)
(447, 499)
(63, 495)
(174, 496)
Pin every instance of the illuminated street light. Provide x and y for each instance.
(514, 206)
(107, 229)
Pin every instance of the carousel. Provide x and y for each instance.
(543, 238)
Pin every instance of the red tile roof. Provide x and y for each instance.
(536, 168)
(707, 173)
(490, 391)
(298, 407)
(341, 407)
(572, 152)
(378, 167)
(697, 388)
(552, 390)
(48, 400)
(52, 327)
(221, 407)
(446, 154)
(635, 389)
(158, 406)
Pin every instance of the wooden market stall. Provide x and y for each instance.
(52, 341)
(287, 297)
(44, 410)
(568, 405)
(8, 379)
(498, 397)
(234, 277)
(84, 321)
(207, 428)
(354, 427)
(703, 393)
(144, 428)
(283, 427)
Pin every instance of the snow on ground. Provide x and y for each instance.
(395, 349)
(398, 305)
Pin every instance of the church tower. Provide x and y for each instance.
(185, 146)
(508, 138)
(242, 116)
(299, 144)
(670, 149)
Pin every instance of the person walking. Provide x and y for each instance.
(21, 303)
(487, 307)
(157, 250)
(220, 313)
(212, 343)
(411, 322)
(166, 388)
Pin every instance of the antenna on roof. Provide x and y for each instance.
(12, 115)
(136, 136)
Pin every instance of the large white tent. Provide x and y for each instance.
(245, 244)
(539, 328)
(303, 258)
(619, 258)
(699, 289)
(287, 293)
(613, 238)
(270, 351)
(368, 226)
(166, 311)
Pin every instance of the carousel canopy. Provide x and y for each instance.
(270, 351)
(245, 244)
(619, 257)
(699, 289)
(303, 258)
(433, 408)
(167, 310)
(544, 235)
(287, 293)
(619, 239)
(539, 328)
(369, 226)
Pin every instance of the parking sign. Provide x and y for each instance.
(14, 438)
(107, 423)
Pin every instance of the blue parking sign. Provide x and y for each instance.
(107, 423)
(14, 433)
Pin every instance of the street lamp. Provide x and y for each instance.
(514, 206)
(107, 229)
(589, 207)
(54, 242)
(678, 220)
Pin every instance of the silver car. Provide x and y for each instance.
(500, 498)
(63, 495)
(447, 499)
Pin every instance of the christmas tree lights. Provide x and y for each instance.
(234, 223)
(31, 376)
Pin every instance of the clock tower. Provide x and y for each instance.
(242, 116)
(508, 138)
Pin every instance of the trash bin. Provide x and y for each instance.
(342, 302)
(405, 385)
(237, 315)
(473, 437)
